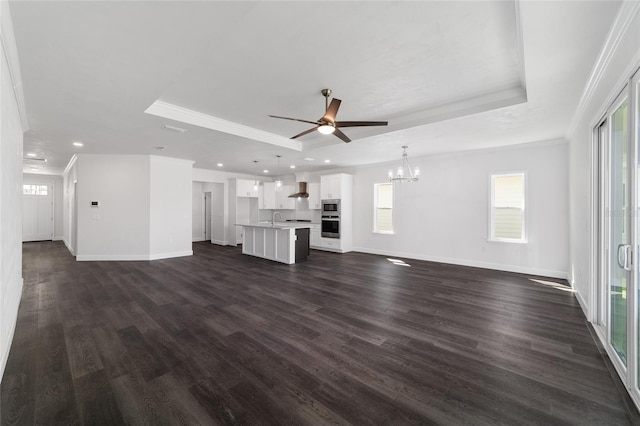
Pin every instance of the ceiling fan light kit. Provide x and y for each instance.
(326, 129)
(327, 124)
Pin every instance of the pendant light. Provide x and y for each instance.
(401, 175)
(255, 182)
(278, 181)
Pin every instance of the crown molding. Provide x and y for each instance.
(10, 51)
(189, 116)
(626, 14)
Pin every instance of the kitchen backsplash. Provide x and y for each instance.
(301, 212)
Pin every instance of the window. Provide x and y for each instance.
(34, 189)
(383, 208)
(507, 208)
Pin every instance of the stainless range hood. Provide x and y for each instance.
(302, 191)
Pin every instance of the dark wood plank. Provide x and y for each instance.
(223, 338)
(95, 400)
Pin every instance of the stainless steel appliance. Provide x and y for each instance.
(331, 207)
(330, 223)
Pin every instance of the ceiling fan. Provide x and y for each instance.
(327, 124)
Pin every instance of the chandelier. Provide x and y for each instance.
(401, 175)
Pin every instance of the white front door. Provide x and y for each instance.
(37, 212)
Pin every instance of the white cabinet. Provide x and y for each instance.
(330, 243)
(314, 236)
(246, 188)
(339, 186)
(267, 196)
(330, 187)
(313, 188)
(282, 197)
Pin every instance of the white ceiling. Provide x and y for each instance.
(448, 76)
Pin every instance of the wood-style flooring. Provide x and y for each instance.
(223, 338)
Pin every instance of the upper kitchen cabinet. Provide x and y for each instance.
(246, 188)
(313, 188)
(267, 196)
(335, 186)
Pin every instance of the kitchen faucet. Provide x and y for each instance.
(273, 218)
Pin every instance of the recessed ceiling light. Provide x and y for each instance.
(266, 171)
(220, 164)
(30, 154)
(159, 147)
(308, 159)
(292, 166)
(78, 144)
(327, 161)
(174, 128)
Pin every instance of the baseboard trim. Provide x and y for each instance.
(219, 242)
(68, 247)
(131, 257)
(467, 262)
(169, 255)
(583, 304)
(12, 330)
(197, 240)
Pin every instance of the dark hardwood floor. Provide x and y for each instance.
(222, 338)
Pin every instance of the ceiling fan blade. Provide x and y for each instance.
(341, 135)
(294, 119)
(360, 123)
(330, 115)
(306, 132)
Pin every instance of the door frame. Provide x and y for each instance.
(51, 189)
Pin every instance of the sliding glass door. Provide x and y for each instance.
(619, 244)
(634, 127)
(617, 299)
(616, 252)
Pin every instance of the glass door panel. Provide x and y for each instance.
(635, 121)
(619, 235)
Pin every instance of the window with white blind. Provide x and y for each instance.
(507, 208)
(383, 208)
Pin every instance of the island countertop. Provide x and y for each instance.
(277, 225)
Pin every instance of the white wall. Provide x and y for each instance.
(12, 126)
(58, 199)
(119, 228)
(144, 210)
(170, 207)
(444, 216)
(610, 74)
(197, 220)
(218, 231)
(69, 213)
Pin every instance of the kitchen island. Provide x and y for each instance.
(285, 242)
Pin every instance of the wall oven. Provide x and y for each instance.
(330, 227)
(330, 219)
